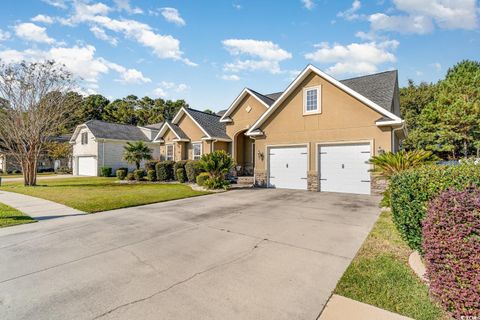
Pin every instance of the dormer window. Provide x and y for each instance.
(311, 100)
(84, 137)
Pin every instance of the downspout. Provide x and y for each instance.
(395, 130)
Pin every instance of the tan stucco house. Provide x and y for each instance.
(318, 134)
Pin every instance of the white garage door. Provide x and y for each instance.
(288, 167)
(87, 166)
(344, 168)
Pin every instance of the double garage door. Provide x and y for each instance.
(87, 166)
(342, 168)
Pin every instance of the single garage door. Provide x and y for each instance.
(345, 168)
(288, 167)
(87, 166)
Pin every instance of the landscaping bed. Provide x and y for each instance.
(94, 194)
(380, 275)
(10, 216)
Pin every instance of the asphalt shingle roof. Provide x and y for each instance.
(269, 101)
(107, 130)
(379, 87)
(155, 126)
(210, 123)
(178, 131)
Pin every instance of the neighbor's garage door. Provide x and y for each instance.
(288, 167)
(87, 166)
(344, 168)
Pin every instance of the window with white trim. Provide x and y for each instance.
(311, 100)
(169, 152)
(84, 137)
(197, 151)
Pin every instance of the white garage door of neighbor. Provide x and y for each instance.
(288, 167)
(344, 168)
(87, 166)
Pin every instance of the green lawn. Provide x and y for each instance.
(11, 217)
(380, 275)
(99, 194)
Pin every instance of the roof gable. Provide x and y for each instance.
(112, 131)
(264, 100)
(177, 131)
(298, 80)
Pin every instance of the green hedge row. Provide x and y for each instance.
(411, 191)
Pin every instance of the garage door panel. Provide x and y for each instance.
(288, 167)
(345, 168)
(87, 166)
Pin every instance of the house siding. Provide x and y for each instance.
(83, 150)
(110, 154)
(342, 119)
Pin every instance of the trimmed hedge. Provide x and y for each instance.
(181, 176)
(193, 169)
(165, 170)
(139, 174)
(179, 165)
(412, 189)
(105, 172)
(151, 175)
(451, 244)
(121, 174)
(130, 176)
(150, 165)
(202, 177)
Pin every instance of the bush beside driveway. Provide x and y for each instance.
(94, 194)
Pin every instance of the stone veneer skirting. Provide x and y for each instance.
(378, 185)
(312, 181)
(260, 178)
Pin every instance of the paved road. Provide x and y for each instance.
(245, 254)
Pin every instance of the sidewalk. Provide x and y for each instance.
(37, 208)
(340, 308)
(56, 176)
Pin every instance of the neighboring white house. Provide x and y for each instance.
(99, 144)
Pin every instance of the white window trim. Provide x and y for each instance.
(84, 141)
(173, 151)
(193, 150)
(319, 100)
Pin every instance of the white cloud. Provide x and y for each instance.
(401, 24)
(56, 3)
(4, 35)
(351, 13)
(43, 19)
(237, 6)
(81, 61)
(230, 77)
(355, 58)
(172, 15)
(437, 66)
(165, 87)
(99, 33)
(421, 16)
(124, 5)
(267, 55)
(308, 4)
(31, 32)
(163, 46)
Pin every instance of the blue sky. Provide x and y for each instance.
(207, 51)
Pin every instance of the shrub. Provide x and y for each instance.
(121, 174)
(451, 244)
(216, 183)
(130, 176)
(181, 176)
(105, 171)
(64, 170)
(151, 175)
(389, 163)
(217, 164)
(150, 165)
(18, 171)
(202, 177)
(192, 169)
(179, 164)
(412, 189)
(165, 170)
(139, 174)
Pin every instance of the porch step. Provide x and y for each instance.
(245, 180)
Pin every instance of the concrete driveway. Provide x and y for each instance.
(244, 254)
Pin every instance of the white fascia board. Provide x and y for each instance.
(76, 132)
(254, 133)
(179, 115)
(245, 91)
(330, 79)
(164, 128)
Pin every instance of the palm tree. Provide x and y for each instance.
(136, 152)
(387, 164)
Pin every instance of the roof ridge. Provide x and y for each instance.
(210, 114)
(263, 95)
(369, 75)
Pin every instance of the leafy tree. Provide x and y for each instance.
(136, 152)
(59, 150)
(149, 111)
(171, 108)
(208, 111)
(37, 109)
(93, 107)
(121, 111)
